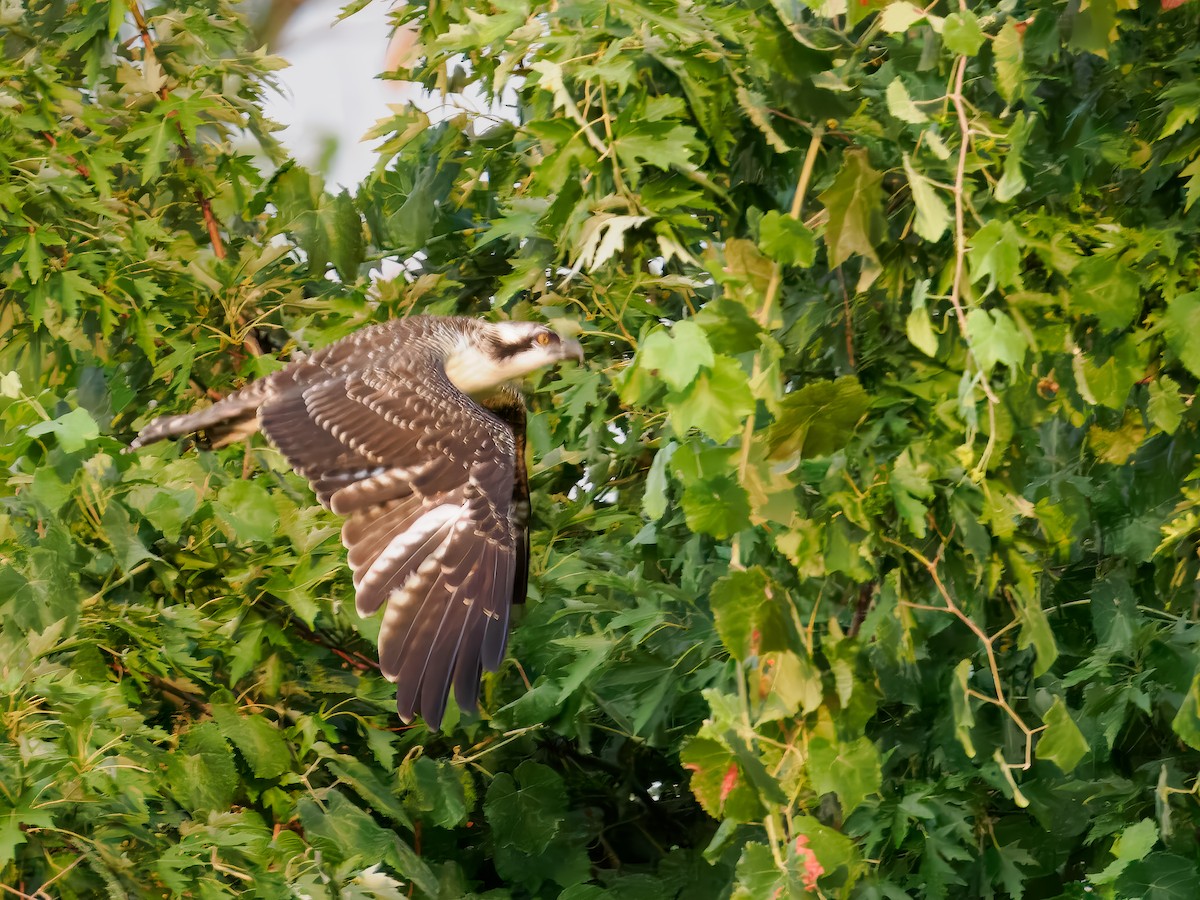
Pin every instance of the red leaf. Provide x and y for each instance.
(812, 868)
(730, 781)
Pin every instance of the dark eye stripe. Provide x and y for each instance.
(505, 351)
(508, 350)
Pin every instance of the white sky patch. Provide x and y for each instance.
(331, 94)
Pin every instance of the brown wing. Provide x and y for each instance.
(236, 416)
(425, 476)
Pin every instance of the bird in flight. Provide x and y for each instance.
(412, 430)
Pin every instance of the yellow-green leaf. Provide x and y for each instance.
(1062, 743)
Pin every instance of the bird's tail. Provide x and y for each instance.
(231, 419)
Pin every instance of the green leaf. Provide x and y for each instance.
(1104, 287)
(918, 326)
(13, 823)
(1035, 631)
(1185, 108)
(730, 327)
(202, 773)
(165, 509)
(995, 340)
(749, 611)
(1192, 186)
(754, 105)
(1009, 48)
(910, 487)
(346, 833)
(298, 195)
(260, 742)
(920, 331)
(414, 220)
(526, 809)
(1062, 743)
(757, 876)
(1110, 382)
(844, 551)
(1186, 723)
(899, 16)
(435, 791)
(861, 10)
(1094, 27)
(1160, 876)
(1181, 326)
(660, 144)
(855, 205)
(901, 105)
(832, 848)
(123, 537)
(1116, 446)
(718, 506)
(1013, 182)
(849, 769)
(1166, 406)
(751, 765)
(73, 430)
(346, 246)
(933, 215)
(247, 508)
(677, 356)
(116, 18)
(717, 782)
(717, 403)
(49, 490)
(960, 703)
(962, 33)
(786, 240)
(1133, 844)
(790, 683)
(654, 500)
(995, 254)
(366, 782)
(745, 267)
(818, 419)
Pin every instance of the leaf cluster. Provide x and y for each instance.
(865, 544)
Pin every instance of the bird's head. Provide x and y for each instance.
(498, 352)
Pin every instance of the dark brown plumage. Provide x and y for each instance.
(412, 431)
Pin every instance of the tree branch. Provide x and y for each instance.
(189, 157)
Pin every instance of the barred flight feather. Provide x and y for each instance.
(411, 430)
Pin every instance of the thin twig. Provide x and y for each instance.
(952, 607)
(355, 660)
(960, 256)
(509, 737)
(618, 181)
(189, 158)
(849, 318)
(860, 609)
(41, 891)
(763, 317)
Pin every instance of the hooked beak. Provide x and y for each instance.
(570, 349)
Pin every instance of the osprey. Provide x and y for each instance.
(412, 431)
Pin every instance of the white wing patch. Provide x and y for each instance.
(432, 483)
(429, 531)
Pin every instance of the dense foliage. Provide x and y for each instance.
(865, 552)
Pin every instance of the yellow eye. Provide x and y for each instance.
(543, 338)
